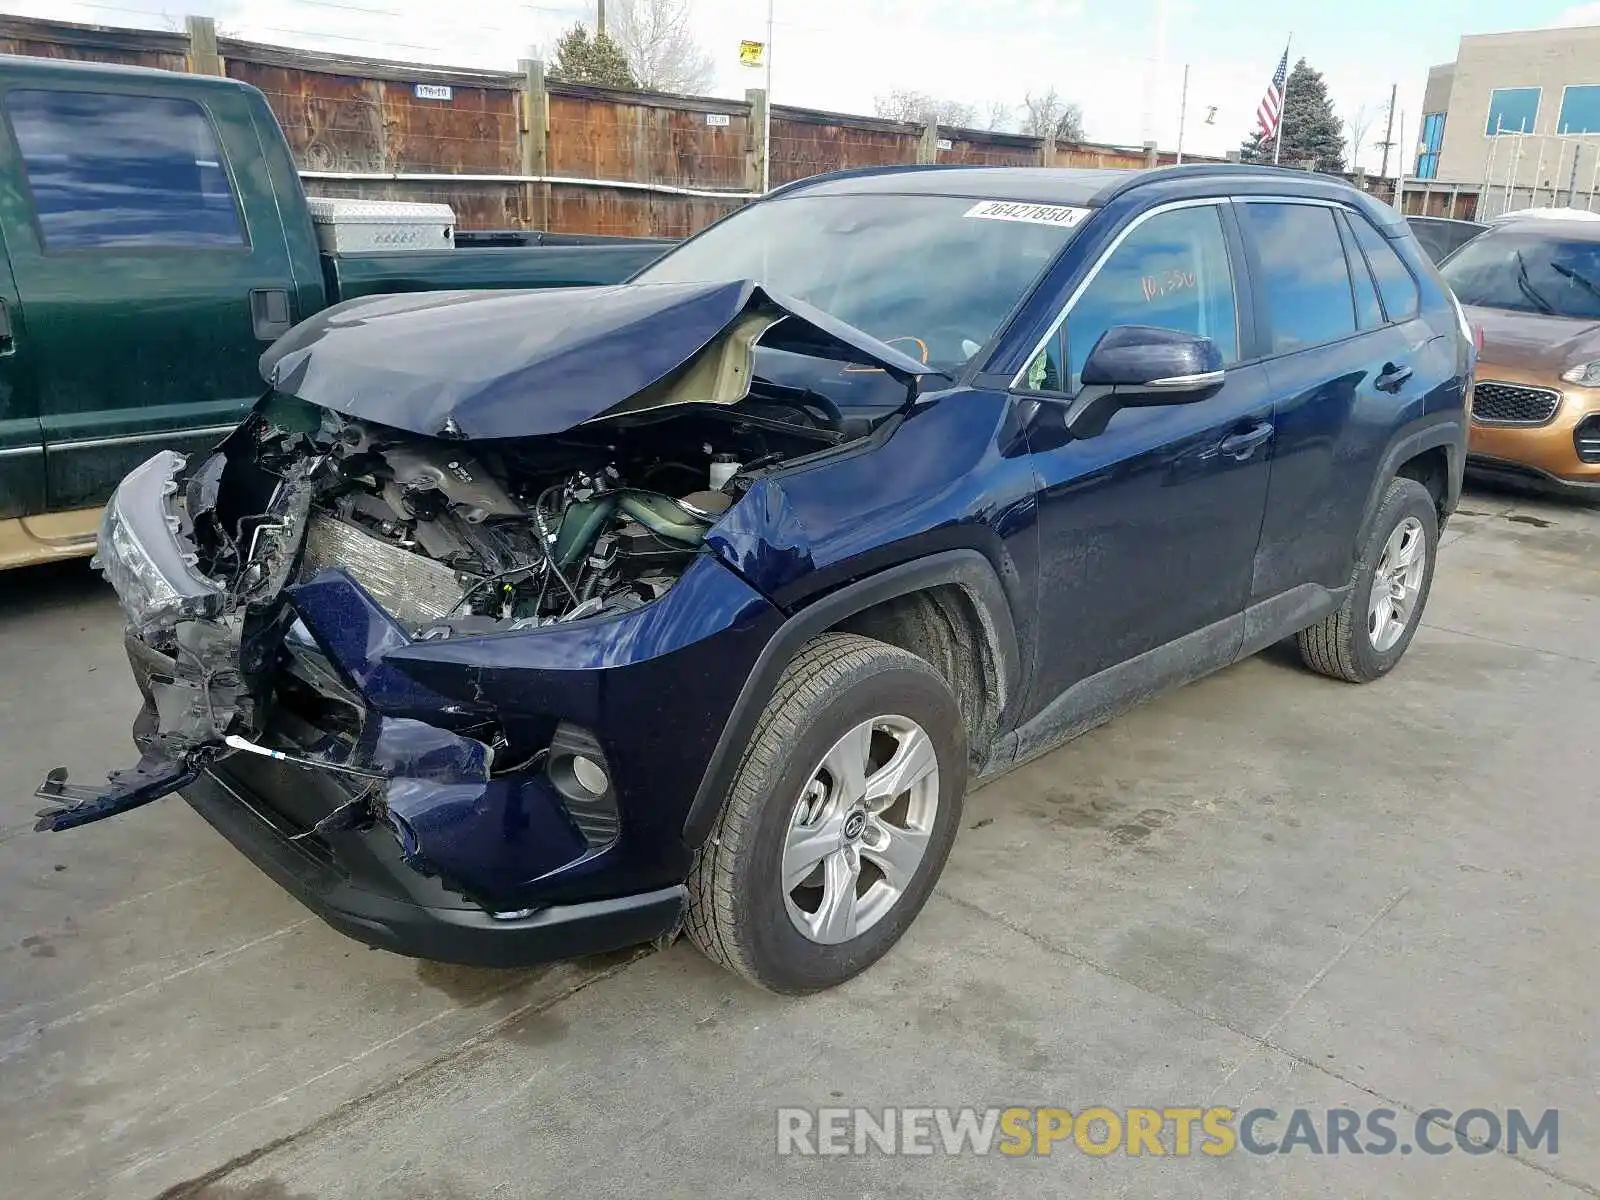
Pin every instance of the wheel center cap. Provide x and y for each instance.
(854, 824)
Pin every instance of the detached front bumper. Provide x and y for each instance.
(366, 891)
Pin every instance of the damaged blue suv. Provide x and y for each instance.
(516, 626)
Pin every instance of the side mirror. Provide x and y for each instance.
(1138, 366)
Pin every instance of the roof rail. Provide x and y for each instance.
(1226, 170)
(860, 172)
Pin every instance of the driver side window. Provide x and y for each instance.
(1171, 271)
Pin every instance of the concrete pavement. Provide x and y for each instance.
(1267, 889)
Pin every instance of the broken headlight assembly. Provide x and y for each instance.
(142, 554)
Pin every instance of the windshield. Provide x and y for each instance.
(913, 271)
(1528, 271)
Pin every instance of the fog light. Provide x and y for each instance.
(577, 766)
(591, 775)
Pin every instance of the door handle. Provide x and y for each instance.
(270, 317)
(1391, 378)
(1241, 446)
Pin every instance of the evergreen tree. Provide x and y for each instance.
(1311, 129)
(580, 58)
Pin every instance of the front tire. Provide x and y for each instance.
(839, 820)
(1389, 587)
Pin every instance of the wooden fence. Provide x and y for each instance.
(516, 150)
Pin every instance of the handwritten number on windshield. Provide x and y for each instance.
(1164, 283)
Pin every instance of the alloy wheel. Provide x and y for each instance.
(860, 829)
(1396, 584)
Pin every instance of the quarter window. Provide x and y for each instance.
(1171, 271)
(1395, 283)
(120, 172)
(1369, 313)
(1304, 281)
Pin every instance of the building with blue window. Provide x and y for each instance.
(1514, 120)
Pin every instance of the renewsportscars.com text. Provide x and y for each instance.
(1169, 1131)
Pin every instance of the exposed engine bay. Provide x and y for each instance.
(454, 539)
(445, 467)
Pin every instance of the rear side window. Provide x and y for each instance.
(118, 171)
(1369, 313)
(1305, 282)
(1395, 284)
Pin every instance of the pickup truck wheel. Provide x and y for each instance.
(839, 820)
(1388, 589)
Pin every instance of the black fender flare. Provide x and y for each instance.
(967, 569)
(1449, 432)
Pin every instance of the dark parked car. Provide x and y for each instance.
(512, 627)
(1441, 237)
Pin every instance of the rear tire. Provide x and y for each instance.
(1389, 588)
(879, 829)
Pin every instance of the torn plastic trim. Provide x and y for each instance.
(153, 777)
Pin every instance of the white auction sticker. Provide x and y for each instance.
(1038, 214)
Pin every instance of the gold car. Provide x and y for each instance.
(1531, 288)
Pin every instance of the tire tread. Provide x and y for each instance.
(821, 665)
(1329, 646)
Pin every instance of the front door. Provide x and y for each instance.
(147, 220)
(1148, 530)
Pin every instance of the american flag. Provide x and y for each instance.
(1270, 111)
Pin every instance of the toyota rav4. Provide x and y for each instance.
(515, 626)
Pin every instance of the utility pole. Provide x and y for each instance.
(1388, 132)
(1183, 111)
(600, 19)
(766, 111)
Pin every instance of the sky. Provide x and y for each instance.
(1122, 60)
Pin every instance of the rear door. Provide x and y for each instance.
(1347, 370)
(21, 441)
(150, 224)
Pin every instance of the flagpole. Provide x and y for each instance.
(1283, 101)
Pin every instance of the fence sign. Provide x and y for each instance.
(718, 119)
(432, 91)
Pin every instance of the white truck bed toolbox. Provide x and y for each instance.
(344, 226)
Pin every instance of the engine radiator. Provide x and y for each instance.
(412, 589)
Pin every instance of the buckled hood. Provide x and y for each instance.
(527, 363)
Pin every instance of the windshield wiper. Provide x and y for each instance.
(1582, 281)
(1525, 286)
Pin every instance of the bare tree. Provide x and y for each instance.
(657, 39)
(920, 108)
(1000, 118)
(1047, 113)
(1356, 123)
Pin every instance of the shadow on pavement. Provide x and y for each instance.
(25, 590)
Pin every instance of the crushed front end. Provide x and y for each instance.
(455, 697)
(445, 634)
